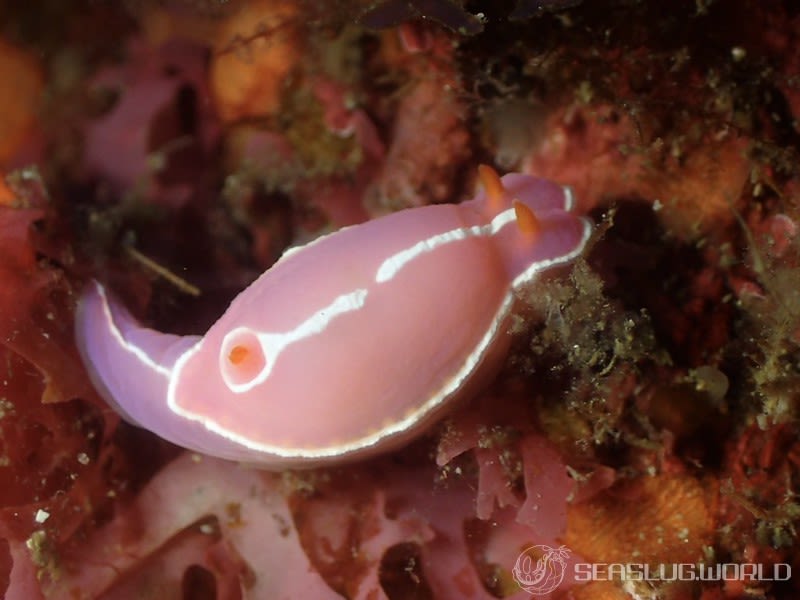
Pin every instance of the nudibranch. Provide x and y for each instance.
(347, 346)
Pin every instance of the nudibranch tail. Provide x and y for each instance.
(129, 365)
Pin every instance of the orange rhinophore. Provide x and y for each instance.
(527, 221)
(491, 182)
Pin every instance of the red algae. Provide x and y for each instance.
(51, 461)
(34, 326)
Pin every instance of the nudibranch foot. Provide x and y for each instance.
(348, 346)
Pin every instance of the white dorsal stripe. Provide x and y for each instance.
(569, 198)
(273, 344)
(392, 265)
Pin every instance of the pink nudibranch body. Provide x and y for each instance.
(349, 345)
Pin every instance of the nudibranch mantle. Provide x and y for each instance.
(348, 346)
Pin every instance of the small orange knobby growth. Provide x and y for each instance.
(255, 50)
(22, 87)
(6, 195)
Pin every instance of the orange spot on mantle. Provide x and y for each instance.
(238, 355)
